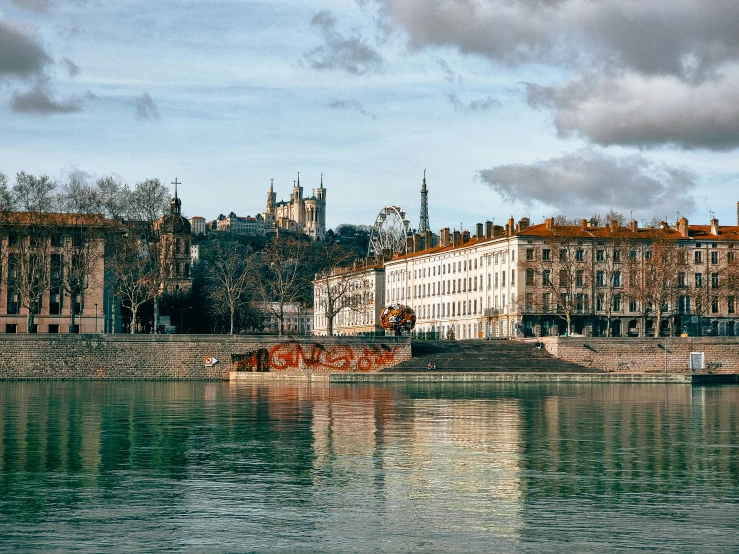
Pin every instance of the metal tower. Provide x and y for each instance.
(424, 225)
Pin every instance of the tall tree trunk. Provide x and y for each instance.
(330, 326)
(29, 321)
(156, 314)
(233, 312)
(658, 324)
(133, 320)
(72, 312)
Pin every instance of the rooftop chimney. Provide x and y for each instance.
(456, 239)
(409, 244)
(465, 236)
(479, 231)
(550, 223)
(583, 224)
(444, 237)
(417, 243)
(682, 226)
(614, 225)
(511, 223)
(489, 227)
(634, 225)
(714, 227)
(428, 238)
(523, 223)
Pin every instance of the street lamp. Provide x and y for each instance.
(96, 318)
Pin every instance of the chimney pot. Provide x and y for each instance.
(479, 231)
(550, 224)
(489, 233)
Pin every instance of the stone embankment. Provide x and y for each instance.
(184, 356)
(643, 355)
(486, 356)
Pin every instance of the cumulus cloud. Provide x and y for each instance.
(145, 107)
(479, 105)
(351, 54)
(681, 37)
(351, 105)
(644, 111)
(39, 100)
(588, 181)
(21, 53)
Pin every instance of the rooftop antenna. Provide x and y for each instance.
(423, 224)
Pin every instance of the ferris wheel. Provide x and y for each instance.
(391, 228)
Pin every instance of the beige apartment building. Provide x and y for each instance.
(353, 297)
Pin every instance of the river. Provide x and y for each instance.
(212, 467)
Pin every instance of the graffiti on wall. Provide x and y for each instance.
(296, 356)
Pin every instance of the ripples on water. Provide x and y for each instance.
(294, 467)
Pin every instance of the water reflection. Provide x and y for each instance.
(193, 466)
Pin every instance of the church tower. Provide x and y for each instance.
(271, 199)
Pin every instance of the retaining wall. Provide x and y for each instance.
(183, 356)
(647, 354)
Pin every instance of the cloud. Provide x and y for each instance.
(39, 100)
(351, 105)
(588, 181)
(145, 108)
(480, 105)
(641, 111)
(32, 5)
(682, 37)
(350, 54)
(72, 68)
(449, 74)
(21, 53)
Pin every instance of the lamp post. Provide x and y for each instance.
(96, 318)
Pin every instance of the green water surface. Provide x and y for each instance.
(219, 467)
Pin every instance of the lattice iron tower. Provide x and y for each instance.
(424, 225)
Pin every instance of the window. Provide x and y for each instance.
(617, 303)
(546, 277)
(579, 278)
(545, 302)
(698, 257)
(683, 304)
(698, 280)
(681, 257)
(730, 257)
(562, 255)
(53, 328)
(599, 303)
(714, 257)
(632, 254)
(681, 282)
(600, 255)
(632, 305)
(579, 255)
(600, 280)
(545, 254)
(529, 301)
(616, 278)
(616, 256)
(564, 279)
(714, 305)
(513, 277)
(730, 304)
(529, 277)
(714, 280)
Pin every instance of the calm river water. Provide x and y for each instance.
(294, 467)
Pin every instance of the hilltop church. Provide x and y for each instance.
(298, 215)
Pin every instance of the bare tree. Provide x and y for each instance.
(285, 281)
(33, 194)
(556, 277)
(610, 260)
(341, 288)
(231, 272)
(135, 272)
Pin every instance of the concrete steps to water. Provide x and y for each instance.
(482, 355)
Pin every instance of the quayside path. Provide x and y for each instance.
(485, 356)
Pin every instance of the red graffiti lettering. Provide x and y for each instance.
(294, 356)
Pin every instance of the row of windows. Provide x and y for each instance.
(581, 304)
(601, 256)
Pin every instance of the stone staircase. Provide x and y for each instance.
(482, 355)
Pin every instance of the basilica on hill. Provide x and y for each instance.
(299, 214)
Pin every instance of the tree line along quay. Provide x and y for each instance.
(116, 258)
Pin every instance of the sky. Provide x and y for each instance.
(514, 107)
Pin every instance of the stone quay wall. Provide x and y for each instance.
(173, 357)
(640, 355)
